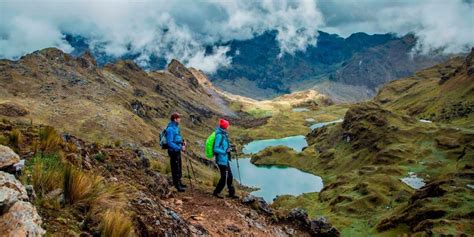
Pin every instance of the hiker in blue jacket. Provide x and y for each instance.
(175, 146)
(222, 150)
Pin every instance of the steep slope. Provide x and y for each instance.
(365, 160)
(119, 101)
(115, 181)
(440, 93)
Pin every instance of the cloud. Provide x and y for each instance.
(170, 29)
(438, 24)
(184, 29)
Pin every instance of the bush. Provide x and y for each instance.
(116, 224)
(117, 143)
(46, 174)
(99, 156)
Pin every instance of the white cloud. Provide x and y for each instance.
(438, 24)
(182, 29)
(173, 29)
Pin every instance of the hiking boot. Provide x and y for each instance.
(180, 189)
(183, 185)
(217, 196)
(233, 196)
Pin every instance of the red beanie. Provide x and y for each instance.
(224, 124)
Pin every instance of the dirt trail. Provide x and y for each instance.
(225, 217)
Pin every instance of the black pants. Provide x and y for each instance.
(175, 162)
(226, 177)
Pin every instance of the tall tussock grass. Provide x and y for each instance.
(15, 138)
(46, 174)
(115, 224)
(49, 140)
(91, 191)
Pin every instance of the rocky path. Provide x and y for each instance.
(225, 217)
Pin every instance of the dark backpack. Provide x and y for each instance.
(163, 140)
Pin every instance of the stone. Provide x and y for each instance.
(257, 203)
(7, 157)
(22, 219)
(31, 192)
(11, 191)
(315, 227)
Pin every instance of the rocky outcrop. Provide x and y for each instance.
(7, 157)
(18, 216)
(315, 227)
(180, 71)
(12, 110)
(257, 203)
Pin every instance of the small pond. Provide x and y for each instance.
(319, 125)
(413, 181)
(273, 181)
(300, 109)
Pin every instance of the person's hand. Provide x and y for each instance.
(228, 150)
(184, 143)
(183, 148)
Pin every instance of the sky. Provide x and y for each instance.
(182, 28)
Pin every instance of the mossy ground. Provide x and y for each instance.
(363, 180)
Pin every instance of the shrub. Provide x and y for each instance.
(99, 156)
(117, 143)
(49, 140)
(116, 224)
(46, 174)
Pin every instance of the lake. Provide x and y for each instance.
(275, 180)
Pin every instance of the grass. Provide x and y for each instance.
(15, 138)
(90, 191)
(46, 174)
(49, 140)
(115, 224)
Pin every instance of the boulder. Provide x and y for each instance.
(21, 219)
(11, 191)
(257, 203)
(7, 157)
(315, 227)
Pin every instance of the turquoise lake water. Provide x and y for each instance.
(275, 180)
(319, 125)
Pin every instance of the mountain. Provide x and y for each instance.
(361, 60)
(418, 128)
(347, 69)
(116, 100)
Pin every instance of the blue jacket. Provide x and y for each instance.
(173, 137)
(220, 147)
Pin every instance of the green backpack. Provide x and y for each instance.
(210, 145)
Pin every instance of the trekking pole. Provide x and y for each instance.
(192, 167)
(189, 174)
(191, 163)
(238, 166)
